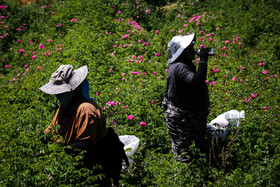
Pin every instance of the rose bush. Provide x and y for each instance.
(124, 45)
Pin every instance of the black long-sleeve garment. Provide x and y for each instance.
(186, 88)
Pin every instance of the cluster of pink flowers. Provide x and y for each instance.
(265, 107)
(111, 103)
(125, 36)
(234, 78)
(134, 72)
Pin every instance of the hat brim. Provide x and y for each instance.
(184, 41)
(77, 78)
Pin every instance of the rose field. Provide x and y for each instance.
(123, 43)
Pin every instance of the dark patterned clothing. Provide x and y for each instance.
(185, 127)
(186, 104)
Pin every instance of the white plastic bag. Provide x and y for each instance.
(131, 143)
(221, 125)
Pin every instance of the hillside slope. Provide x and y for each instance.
(124, 45)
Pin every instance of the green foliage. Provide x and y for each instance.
(124, 45)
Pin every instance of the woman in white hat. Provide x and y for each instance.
(82, 123)
(186, 100)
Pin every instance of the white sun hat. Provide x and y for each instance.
(177, 45)
(65, 79)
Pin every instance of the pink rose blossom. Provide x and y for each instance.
(130, 117)
(226, 42)
(212, 83)
(201, 45)
(7, 66)
(19, 29)
(265, 72)
(154, 72)
(2, 17)
(38, 68)
(157, 31)
(149, 10)
(261, 63)
(18, 41)
(254, 95)
(157, 54)
(34, 56)
(20, 51)
(41, 46)
(142, 123)
(210, 39)
(50, 40)
(224, 48)
(206, 81)
(234, 78)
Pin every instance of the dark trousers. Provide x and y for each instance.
(108, 153)
(184, 128)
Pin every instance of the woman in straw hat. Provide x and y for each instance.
(186, 100)
(82, 123)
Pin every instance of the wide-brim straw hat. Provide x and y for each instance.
(177, 45)
(65, 79)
